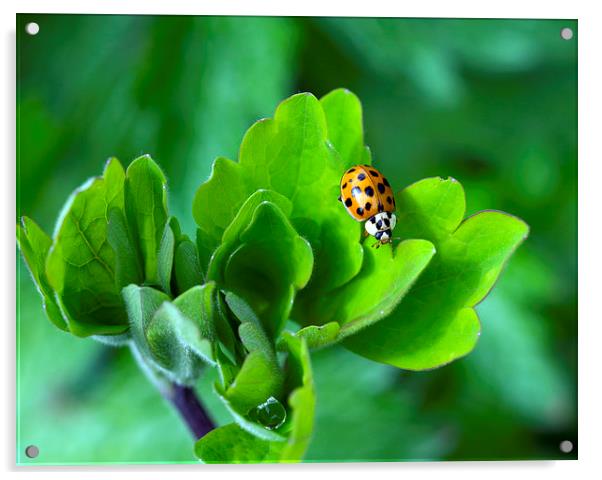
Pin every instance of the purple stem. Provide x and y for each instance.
(191, 410)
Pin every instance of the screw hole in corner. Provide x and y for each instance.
(566, 33)
(32, 451)
(32, 28)
(566, 446)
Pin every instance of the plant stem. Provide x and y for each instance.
(185, 400)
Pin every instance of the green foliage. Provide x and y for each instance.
(236, 443)
(273, 248)
(174, 338)
(385, 277)
(165, 258)
(343, 112)
(34, 245)
(142, 304)
(81, 265)
(317, 336)
(146, 210)
(436, 322)
(266, 264)
(289, 155)
(232, 444)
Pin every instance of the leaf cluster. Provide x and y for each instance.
(277, 267)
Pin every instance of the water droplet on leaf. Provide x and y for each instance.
(271, 414)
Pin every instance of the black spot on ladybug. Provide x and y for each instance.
(369, 191)
(359, 210)
(361, 176)
(348, 202)
(389, 200)
(387, 223)
(368, 206)
(351, 170)
(344, 185)
(380, 207)
(356, 191)
(377, 235)
(379, 224)
(385, 182)
(372, 220)
(381, 188)
(373, 173)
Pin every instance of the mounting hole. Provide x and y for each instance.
(566, 446)
(566, 33)
(32, 28)
(32, 451)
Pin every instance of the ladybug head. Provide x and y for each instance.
(383, 236)
(381, 225)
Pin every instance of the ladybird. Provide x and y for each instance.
(367, 196)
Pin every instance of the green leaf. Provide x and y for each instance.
(250, 331)
(266, 268)
(121, 340)
(178, 264)
(253, 336)
(343, 112)
(165, 258)
(146, 210)
(224, 329)
(257, 380)
(176, 336)
(290, 154)
(435, 322)
(244, 216)
(81, 265)
(315, 336)
(176, 345)
(233, 444)
(226, 368)
(128, 268)
(199, 304)
(245, 422)
(254, 339)
(35, 244)
(216, 203)
(247, 442)
(303, 405)
(187, 270)
(231, 235)
(301, 401)
(142, 303)
(386, 276)
(241, 309)
(260, 376)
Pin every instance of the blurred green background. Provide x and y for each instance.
(489, 102)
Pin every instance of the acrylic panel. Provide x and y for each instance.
(270, 239)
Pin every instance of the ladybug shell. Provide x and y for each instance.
(365, 192)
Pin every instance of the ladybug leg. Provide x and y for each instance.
(365, 233)
(340, 199)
